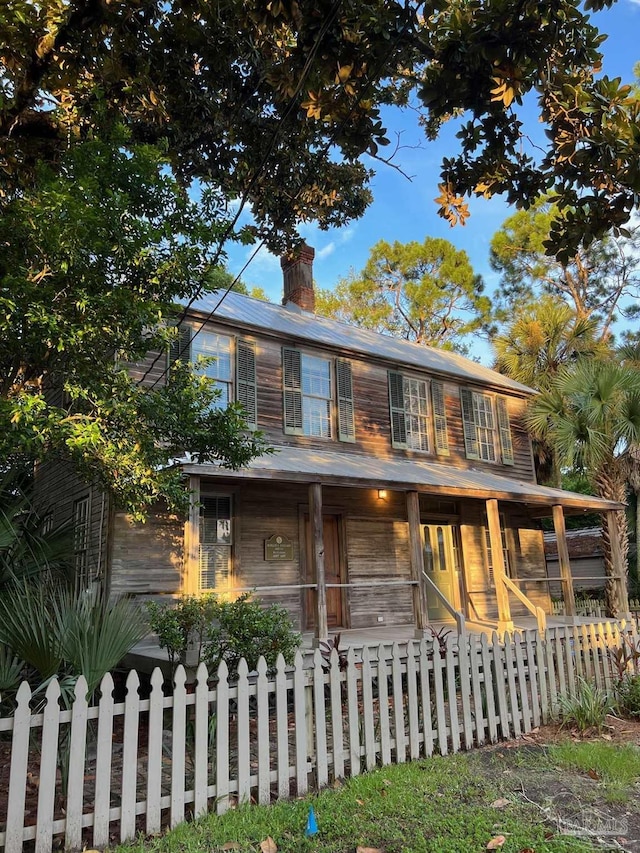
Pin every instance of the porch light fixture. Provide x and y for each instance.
(382, 494)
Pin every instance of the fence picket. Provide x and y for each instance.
(352, 713)
(476, 692)
(222, 739)
(412, 702)
(532, 678)
(18, 770)
(102, 799)
(608, 643)
(367, 712)
(559, 657)
(499, 680)
(282, 728)
(587, 666)
(264, 767)
(398, 705)
(178, 744)
(551, 671)
(425, 699)
(452, 697)
(130, 758)
(595, 652)
(320, 714)
(577, 653)
(489, 689)
(383, 707)
(154, 753)
(509, 643)
(300, 718)
(465, 690)
(48, 766)
(77, 767)
(570, 660)
(244, 735)
(541, 666)
(522, 690)
(438, 685)
(201, 743)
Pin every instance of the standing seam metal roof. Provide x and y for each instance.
(295, 323)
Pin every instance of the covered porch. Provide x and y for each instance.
(318, 477)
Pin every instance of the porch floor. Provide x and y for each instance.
(147, 654)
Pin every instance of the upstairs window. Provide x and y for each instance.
(235, 378)
(487, 430)
(412, 402)
(311, 397)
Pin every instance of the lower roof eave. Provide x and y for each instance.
(531, 494)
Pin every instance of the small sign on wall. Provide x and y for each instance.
(278, 547)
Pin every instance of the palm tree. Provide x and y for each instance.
(590, 416)
(546, 337)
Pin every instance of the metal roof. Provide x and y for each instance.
(299, 464)
(294, 323)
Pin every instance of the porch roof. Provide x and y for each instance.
(302, 465)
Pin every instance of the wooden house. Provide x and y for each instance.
(402, 490)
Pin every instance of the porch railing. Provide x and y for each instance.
(457, 614)
(538, 612)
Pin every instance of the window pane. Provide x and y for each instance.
(316, 417)
(316, 396)
(485, 427)
(316, 376)
(219, 346)
(416, 409)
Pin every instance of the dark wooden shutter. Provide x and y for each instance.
(469, 424)
(396, 406)
(246, 391)
(292, 390)
(439, 418)
(504, 428)
(180, 346)
(346, 419)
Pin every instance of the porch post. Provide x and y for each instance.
(191, 579)
(317, 559)
(420, 611)
(619, 569)
(502, 595)
(566, 578)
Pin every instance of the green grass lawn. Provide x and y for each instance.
(440, 805)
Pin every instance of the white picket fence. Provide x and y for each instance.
(94, 775)
(592, 607)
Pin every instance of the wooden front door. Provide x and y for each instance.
(440, 568)
(332, 572)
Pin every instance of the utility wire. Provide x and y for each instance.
(275, 225)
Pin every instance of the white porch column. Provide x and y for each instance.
(190, 577)
(566, 578)
(502, 595)
(420, 612)
(317, 560)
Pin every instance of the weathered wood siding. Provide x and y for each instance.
(57, 487)
(147, 559)
(371, 401)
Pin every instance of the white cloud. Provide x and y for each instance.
(327, 250)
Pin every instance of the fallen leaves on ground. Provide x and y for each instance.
(501, 803)
(496, 842)
(230, 845)
(368, 850)
(269, 845)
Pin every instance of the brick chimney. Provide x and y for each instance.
(297, 271)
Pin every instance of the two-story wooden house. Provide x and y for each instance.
(402, 487)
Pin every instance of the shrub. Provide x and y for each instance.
(587, 708)
(628, 696)
(182, 625)
(245, 629)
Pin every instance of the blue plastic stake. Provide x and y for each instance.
(312, 823)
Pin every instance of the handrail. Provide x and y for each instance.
(538, 612)
(457, 614)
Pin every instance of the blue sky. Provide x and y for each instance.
(404, 210)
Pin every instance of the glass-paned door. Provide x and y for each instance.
(439, 564)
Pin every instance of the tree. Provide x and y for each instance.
(595, 281)
(93, 255)
(591, 416)
(423, 292)
(546, 338)
(275, 102)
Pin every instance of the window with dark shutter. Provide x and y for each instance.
(504, 429)
(344, 384)
(246, 388)
(292, 391)
(180, 346)
(469, 425)
(396, 406)
(439, 418)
